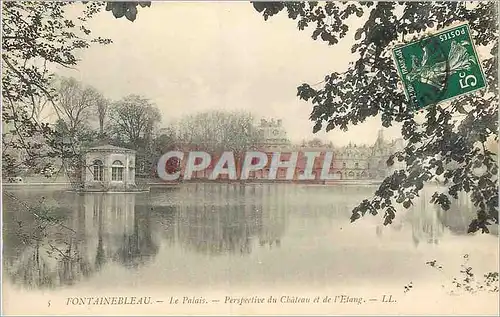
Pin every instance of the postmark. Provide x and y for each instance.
(439, 67)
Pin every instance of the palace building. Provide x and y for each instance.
(273, 134)
(349, 163)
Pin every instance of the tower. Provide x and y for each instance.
(380, 135)
(273, 133)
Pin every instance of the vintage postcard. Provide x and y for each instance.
(250, 158)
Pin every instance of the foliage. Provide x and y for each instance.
(76, 104)
(468, 281)
(218, 131)
(23, 143)
(449, 141)
(36, 35)
(127, 9)
(133, 119)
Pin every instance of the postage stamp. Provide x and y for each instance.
(439, 67)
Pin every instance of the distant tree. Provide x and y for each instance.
(166, 139)
(219, 131)
(162, 141)
(38, 105)
(451, 142)
(76, 104)
(133, 120)
(316, 142)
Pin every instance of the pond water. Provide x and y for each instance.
(224, 236)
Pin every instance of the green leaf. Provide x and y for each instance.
(400, 199)
(131, 14)
(439, 170)
(317, 127)
(419, 185)
(358, 34)
(390, 161)
(407, 204)
(119, 10)
(316, 33)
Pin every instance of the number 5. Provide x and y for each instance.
(466, 82)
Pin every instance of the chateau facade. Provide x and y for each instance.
(352, 162)
(273, 135)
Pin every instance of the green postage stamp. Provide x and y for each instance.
(439, 67)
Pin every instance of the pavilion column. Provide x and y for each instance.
(107, 170)
(125, 170)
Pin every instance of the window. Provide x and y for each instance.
(98, 171)
(282, 173)
(356, 165)
(344, 165)
(117, 171)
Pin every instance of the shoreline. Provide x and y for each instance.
(158, 184)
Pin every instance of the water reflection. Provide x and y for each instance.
(79, 235)
(117, 230)
(103, 227)
(458, 217)
(229, 219)
(427, 226)
(41, 251)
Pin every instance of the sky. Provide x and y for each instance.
(192, 56)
